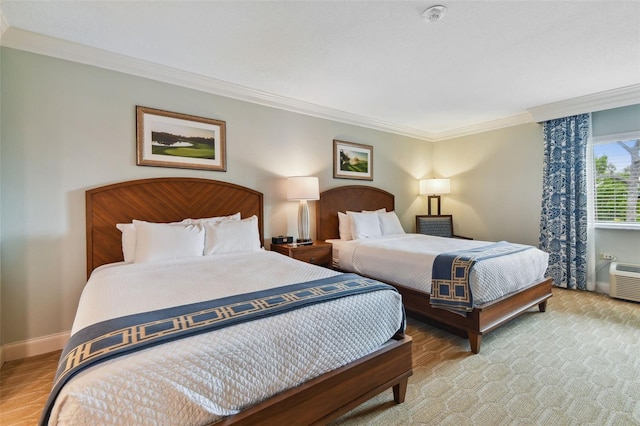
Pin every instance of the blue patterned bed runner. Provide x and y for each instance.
(124, 335)
(450, 275)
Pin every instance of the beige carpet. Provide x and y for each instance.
(576, 364)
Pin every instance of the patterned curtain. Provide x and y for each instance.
(563, 226)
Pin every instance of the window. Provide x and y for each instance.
(616, 179)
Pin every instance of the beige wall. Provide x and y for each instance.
(68, 127)
(496, 183)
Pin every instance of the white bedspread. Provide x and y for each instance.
(407, 260)
(198, 379)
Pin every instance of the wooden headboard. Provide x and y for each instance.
(343, 198)
(159, 200)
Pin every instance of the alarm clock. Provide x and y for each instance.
(281, 239)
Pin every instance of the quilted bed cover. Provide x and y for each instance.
(407, 260)
(201, 379)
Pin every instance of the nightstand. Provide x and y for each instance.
(318, 253)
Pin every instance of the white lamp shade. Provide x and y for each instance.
(303, 188)
(435, 186)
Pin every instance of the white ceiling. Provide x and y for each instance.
(486, 64)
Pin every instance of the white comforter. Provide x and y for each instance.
(199, 379)
(407, 260)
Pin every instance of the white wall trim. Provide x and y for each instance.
(37, 43)
(609, 99)
(37, 346)
(484, 127)
(602, 287)
(616, 137)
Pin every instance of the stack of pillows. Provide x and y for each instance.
(367, 224)
(150, 242)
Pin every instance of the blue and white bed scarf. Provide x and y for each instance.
(124, 335)
(450, 288)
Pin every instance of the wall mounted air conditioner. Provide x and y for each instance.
(624, 281)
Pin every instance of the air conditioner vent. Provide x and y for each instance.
(628, 268)
(624, 281)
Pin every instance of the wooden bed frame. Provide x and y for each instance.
(482, 319)
(317, 401)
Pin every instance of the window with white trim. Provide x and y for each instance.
(616, 179)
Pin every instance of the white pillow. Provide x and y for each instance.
(344, 223)
(232, 236)
(390, 224)
(344, 226)
(202, 221)
(162, 241)
(129, 238)
(364, 225)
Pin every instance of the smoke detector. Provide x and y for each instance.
(434, 13)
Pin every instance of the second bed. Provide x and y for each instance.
(503, 288)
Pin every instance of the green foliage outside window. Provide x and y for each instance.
(617, 183)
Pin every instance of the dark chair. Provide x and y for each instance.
(438, 225)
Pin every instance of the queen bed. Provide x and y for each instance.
(307, 353)
(503, 288)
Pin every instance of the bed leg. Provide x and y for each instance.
(400, 390)
(543, 306)
(474, 341)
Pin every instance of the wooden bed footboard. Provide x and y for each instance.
(483, 318)
(331, 395)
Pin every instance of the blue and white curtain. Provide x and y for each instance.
(563, 225)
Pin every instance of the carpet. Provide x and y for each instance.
(578, 363)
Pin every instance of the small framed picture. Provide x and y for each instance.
(169, 139)
(352, 160)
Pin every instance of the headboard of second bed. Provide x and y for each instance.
(159, 200)
(353, 198)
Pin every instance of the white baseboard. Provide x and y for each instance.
(33, 347)
(602, 287)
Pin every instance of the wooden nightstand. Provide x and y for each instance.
(318, 253)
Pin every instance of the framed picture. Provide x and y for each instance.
(169, 139)
(352, 160)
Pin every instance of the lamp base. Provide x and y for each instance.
(429, 198)
(304, 241)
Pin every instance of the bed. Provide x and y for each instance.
(290, 368)
(483, 318)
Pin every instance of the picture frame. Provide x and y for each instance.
(171, 139)
(352, 160)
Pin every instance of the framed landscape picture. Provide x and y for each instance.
(352, 160)
(169, 139)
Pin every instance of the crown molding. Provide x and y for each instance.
(49, 46)
(486, 126)
(624, 96)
